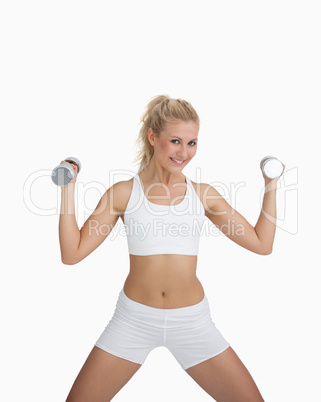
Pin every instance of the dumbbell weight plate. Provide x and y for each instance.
(272, 168)
(63, 174)
(265, 158)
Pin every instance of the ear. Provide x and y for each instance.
(151, 136)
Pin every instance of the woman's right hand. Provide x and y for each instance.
(75, 167)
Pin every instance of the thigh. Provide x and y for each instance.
(226, 379)
(101, 377)
(130, 334)
(193, 338)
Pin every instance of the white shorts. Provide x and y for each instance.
(136, 329)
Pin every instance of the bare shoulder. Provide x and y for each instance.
(121, 195)
(206, 193)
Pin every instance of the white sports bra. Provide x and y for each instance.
(163, 229)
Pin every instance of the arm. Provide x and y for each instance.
(69, 234)
(266, 225)
(258, 239)
(77, 244)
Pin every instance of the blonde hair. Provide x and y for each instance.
(160, 110)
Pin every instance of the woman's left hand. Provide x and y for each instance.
(268, 180)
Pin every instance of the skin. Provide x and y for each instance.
(170, 281)
(161, 281)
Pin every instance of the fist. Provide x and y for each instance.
(75, 168)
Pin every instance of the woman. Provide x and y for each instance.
(162, 302)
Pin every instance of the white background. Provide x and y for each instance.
(75, 79)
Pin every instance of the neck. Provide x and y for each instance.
(155, 172)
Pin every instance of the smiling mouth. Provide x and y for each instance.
(176, 161)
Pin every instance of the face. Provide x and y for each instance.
(178, 141)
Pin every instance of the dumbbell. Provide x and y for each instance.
(272, 167)
(63, 174)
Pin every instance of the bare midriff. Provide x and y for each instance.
(164, 281)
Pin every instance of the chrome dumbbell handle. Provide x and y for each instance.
(272, 167)
(63, 174)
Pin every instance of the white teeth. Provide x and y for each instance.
(175, 160)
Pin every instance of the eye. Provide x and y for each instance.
(190, 142)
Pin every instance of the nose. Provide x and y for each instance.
(183, 153)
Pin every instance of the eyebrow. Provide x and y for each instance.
(181, 139)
